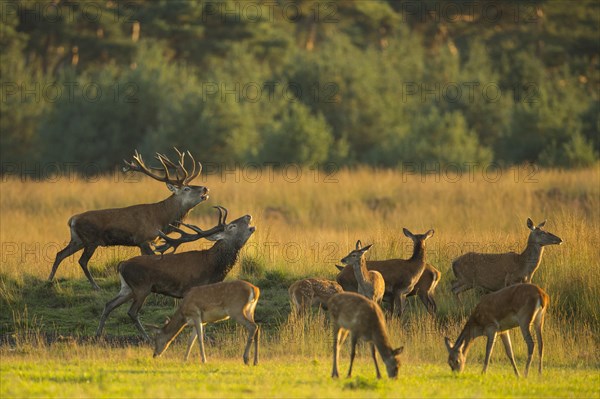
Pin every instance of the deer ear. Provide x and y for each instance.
(429, 234)
(358, 244)
(407, 232)
(530, 224)
(365, 249)
(539, 226)
(448, 344)
(172, 187)
(398, 351)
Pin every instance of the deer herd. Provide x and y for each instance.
(354, 301)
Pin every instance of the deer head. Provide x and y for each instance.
(174, 175)
(541, 237)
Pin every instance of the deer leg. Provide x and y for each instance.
(133, 312)
(256, 344)
(124, 296)
(428, 301)
(509, 351)
(374, 356)
(252, 329)
(530, 346)
(72, 247)
(491, 336)
(539, 325)
(146, 249)
(336, 348)
(353, 342)
(191, 342)
(83, 261)
(200, 333)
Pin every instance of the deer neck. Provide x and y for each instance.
(172, 328)
(361, 271)
(224, 256)
(173, 212)
(418, 252)
(531, 257)
(382, 343)
(468, 335)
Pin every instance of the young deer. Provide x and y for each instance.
(135, 225)
(495, 271)
(517, 305)
(209, 304)
(403, 277)
(312, 292)
(174, 274)
(370, 282)
(362, 318)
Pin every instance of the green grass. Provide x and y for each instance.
(84, 371)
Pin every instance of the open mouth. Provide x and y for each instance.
(204, 197)
(252, 229)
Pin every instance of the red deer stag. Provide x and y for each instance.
(370, 282)
(403, 277)
(362, 318)
(135, 225)
(517, 305)
(209, 304)
(312, 292)
(495, 271)
(174, 274)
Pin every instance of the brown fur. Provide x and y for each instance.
(209, 304)
(518, 305)
(174, 274)
(135, 225)
(363, 319)
(403, 277)
(495, 271)
(312, 292)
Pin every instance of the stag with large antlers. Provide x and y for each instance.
(136, 225)
(174, 274)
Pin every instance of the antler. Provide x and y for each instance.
(182, 176)
(184, 236)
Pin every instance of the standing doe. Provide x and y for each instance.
(517, 305)
(174, 274)
(403, 277)
(135, 225)
(209, 304)
(312, 292)
(362, 318)
(495, 271)
(370, 282)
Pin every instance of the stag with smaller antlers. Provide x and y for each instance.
(135, 225)
(174, 274)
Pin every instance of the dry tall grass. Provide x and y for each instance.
(305, 225)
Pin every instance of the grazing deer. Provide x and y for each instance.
(495, 271)
(135, 225)
(517, 305)
(209, 304)
(370, 282)
(403, 277)
(362, 318)
(312, 292)
(174, 274)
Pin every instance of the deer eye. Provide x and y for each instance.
(186, 189)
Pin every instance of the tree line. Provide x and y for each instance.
(350, 82)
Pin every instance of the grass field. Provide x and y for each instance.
(305, 224)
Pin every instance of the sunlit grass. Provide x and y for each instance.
(303, 228)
